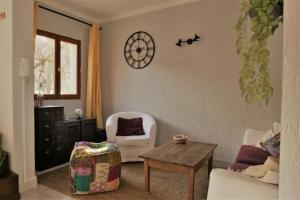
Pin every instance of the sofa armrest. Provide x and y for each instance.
(252, 136)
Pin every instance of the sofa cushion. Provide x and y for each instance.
(140, 140)
(269, 134)
(252, 155)
(272, 145)
(226, 184)
(129, 127)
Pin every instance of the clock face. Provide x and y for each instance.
(139, 50)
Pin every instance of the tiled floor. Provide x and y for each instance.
(44, 193)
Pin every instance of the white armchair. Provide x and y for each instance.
(132, 146)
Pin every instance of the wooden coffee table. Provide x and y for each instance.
(181, 158)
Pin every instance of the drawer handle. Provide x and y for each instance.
(47, 152)
(58, 125)
(58, 149)
(47, 139)
(47, 126)
(58, 137)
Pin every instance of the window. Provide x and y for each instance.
(56, 66)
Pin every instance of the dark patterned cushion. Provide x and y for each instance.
(272, 145)
(252, 155)
(130, 127)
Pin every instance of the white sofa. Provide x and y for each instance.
(132, 146)
(225, 184)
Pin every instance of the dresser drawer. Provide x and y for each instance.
(58, 114)
(51, 114)
(58, 126)
(46, 115)
(59, 149)
(46, 127)
(46, 140)
(59, 138)
(46, 153)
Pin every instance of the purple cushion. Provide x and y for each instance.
(252, 155)
(239, 166)
(130, 127)
(272, 145)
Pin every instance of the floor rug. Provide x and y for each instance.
(164, 185)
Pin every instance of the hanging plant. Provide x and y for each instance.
(264, 17)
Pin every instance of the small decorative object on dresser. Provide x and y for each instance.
(39, 100)
(180, 139)
(78, 113)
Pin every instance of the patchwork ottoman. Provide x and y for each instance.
(95, 167)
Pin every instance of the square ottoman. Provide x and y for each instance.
(95, 167)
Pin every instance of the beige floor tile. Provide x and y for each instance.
(44, 193)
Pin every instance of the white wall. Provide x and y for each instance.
(17, 42)
(54, 23)
(6, 84)
(192, 90)
(290, 137)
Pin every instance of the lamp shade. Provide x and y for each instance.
(24, 70)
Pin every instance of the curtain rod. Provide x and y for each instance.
(67, 16)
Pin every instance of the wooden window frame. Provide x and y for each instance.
(57, 82)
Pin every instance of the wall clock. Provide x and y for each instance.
(139, 50)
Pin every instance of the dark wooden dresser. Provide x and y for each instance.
(80, 130)
(49, 137)
(55, 137)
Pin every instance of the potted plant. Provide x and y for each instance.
(261, 18)
(4, 162)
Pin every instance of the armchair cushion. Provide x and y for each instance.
(130, 127)
(142, 140)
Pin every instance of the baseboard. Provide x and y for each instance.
(51, 169)
(28, 184)
(222, 164)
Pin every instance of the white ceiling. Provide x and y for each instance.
(108, 10)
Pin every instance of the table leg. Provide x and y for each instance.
(191, 183)
(147, 175)
(210, 164)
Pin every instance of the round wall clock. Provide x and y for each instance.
(139, 50)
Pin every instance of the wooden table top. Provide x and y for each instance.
(190, 154)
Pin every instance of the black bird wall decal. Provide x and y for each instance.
(188, 41)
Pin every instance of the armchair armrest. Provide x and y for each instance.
(111, 129)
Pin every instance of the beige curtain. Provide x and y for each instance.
(93, 97)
